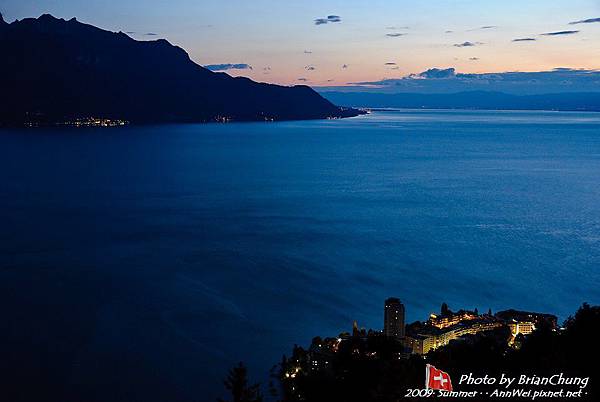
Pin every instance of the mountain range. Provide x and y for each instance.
(55, 70)
(483, 100)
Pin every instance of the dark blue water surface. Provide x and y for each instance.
(139, 263)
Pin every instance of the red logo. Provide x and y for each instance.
(437, 379)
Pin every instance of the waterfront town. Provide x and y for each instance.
(94, 122)
(386, 364)
(419, 338)
(38, 120)
(473, 349)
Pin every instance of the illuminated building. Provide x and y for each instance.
(439, 330)
(521, 327)
(393, 318)
(419, 344)
(431, 337)
(523, 317)
(321, 351)
(448, 318)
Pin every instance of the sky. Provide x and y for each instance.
(337, 43)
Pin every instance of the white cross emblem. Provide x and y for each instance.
(441, 379)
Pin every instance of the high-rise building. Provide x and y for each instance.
(393, 318)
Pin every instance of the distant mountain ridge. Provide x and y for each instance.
(484, 100)
(54, 69)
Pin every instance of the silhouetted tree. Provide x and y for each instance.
(237, 384)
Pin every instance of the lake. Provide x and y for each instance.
(140, 263)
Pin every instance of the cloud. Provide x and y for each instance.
(558, 33)
(310, 68)
(467, 44)
(437, 73)
(228, 66)
(307, 52)
(150, 34)
(436, 80)
(449, 32)
(482, 28)
(395, 34)
(329, 19)
(588, 21)
(390, 63)
(130, 32)
(570, 70)
(524, 40)
(393, 28)
(473, 58)
(302, 79)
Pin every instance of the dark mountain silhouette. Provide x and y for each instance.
(575, 101)
(54, 69)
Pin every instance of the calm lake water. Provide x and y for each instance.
(139, 263)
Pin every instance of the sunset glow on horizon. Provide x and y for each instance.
(336, 43)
